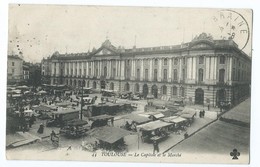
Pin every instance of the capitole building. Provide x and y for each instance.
(203, 71)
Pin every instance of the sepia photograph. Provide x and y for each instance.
(128, 84)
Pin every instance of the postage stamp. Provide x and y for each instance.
(128, 84)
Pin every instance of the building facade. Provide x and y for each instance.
(46, 70)
(14, 69)
(203, 71)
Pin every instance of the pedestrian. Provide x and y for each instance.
(200, 114)
(208, 107)
(41, 129)
(186, 135)
(53, 135)
(155, 146)
(203, 113)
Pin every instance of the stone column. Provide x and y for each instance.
(132, 69)
(142, 70)
(170, 70)
(122, 69)
(151, 70)
(160, 70)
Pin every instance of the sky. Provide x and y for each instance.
(40, 30)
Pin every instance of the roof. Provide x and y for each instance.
(108, 134)
(65, 103)
(239, 113)
(174, 119)
(188, 111)
(66, 111)
(101, 117)
(137, 118)
(77, 122)
(150, 126)
(42, 108)
(218, 138)
(155, 114)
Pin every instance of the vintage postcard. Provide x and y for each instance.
(128, 84)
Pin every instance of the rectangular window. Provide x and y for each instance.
(156, 62)
(155, 75)
(114, 72)
(89, 71)
(175, 75)
(164, 74)
(175, 61)
(165, 62)
(146, 75)
(201, 60)
(222, 60)
(12, 63)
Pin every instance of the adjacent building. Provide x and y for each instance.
(46, 70)
(204, 71)
(14, 69)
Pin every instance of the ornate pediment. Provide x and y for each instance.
(104, 51)
(202, 41)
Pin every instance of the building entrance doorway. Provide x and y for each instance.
(199, 96)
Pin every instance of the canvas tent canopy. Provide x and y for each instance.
(108, 134)
(150, 126)
(137, 118)
(174, 119)
(155, 114)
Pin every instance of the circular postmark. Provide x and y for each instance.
(232, 25)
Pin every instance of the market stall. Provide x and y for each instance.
(155, 130)
(109, 138)
(75, 128)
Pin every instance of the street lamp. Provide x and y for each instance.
(81, 105)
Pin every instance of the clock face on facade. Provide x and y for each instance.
(232, 25)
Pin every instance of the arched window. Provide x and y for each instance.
(182, 91)
(94, 85)
(127, 87)
(164, 90)
(222, 59)
(165, 74)
(138, 74)
(105, 71)
(165, 61)
(137, 87)
(200, 75)
(111, 86)
(174, 91)
(201, 60)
